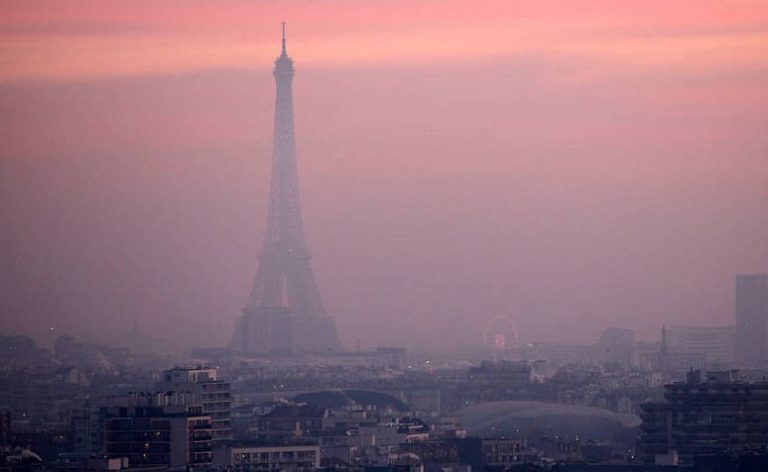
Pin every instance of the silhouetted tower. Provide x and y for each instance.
(663, 363)
(285, 311)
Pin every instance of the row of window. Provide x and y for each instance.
(274, 456)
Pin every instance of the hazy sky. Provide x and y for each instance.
(570, 164)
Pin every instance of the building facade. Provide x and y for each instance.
(202, 387)
(291, 458)
(152, 436)
(707, 414)
(714, 343)
(752, 320)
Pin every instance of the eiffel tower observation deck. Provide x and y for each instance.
(285, 312)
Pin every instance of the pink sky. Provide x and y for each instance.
(572, 165)
(74, 40)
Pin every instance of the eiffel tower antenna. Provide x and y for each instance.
(284, 37)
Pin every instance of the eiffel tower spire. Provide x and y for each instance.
(285, 311)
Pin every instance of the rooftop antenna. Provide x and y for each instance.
(283, 37)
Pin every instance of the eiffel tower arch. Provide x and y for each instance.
(285, 312)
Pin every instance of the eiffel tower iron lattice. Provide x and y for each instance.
(285, 312)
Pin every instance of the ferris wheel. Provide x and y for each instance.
(500, 334)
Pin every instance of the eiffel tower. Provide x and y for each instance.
(285, 313)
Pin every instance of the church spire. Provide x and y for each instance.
(663, 351)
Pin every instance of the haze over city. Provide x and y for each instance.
(570, 165)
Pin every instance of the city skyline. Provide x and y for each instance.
(569, 168)
(366, 235)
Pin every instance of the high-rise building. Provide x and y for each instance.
(714, 343)
(712, 413)
(285, 312)
(158, 436)
(202, 387)
(752, 320)
(87, 429)
(197, 393)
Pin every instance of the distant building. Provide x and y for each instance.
(20, 352)
(491, 381)
(646, 355)
(506, 452)
(424, 400)
(616, 345)
(291, 420)
(443, 454)
(708, 414)
(205, 389)
(559, 355)
(678, 363)
(752, 320)
(714, 343)
(674, 359)
(87, 429)
(509, 372)
(88, 355)
(245, 458)
(389, 357)
(40, 399)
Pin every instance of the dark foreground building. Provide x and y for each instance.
(202, 387)
(708, 415)
(150, 436)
